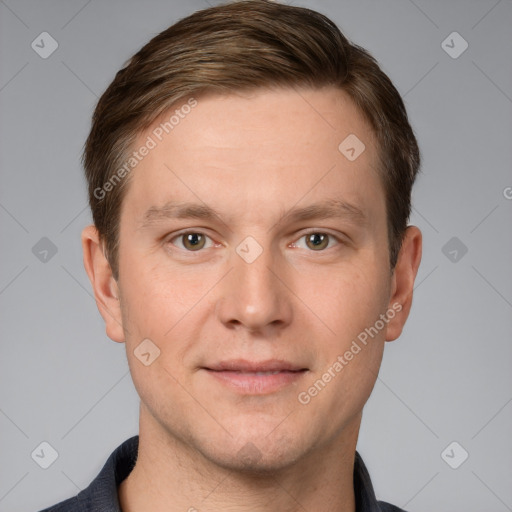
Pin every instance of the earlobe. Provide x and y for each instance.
(403, 279)
(106, 291)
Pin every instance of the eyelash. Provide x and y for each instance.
(312, 231)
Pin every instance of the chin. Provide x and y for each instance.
(255, 452)
(252, 461)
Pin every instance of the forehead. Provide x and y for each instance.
(311, 119)
(256, 149)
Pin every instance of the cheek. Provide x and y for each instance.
(155, 308)
(360, 331)
(156, 298)
(356, 298)
(167, 308)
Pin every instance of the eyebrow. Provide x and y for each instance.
(327, 209)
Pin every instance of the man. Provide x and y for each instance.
(249, 174)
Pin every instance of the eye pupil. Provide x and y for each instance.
(317, 240)
(194, 241)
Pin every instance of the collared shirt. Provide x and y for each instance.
(101, 495)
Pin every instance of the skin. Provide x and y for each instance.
(252, 157)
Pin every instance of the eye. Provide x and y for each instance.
(194, 241)
(191, 241)
(316, 240)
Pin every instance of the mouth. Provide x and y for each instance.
(255, 378)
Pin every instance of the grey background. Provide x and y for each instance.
(448, 378)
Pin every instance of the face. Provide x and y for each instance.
(254, 257)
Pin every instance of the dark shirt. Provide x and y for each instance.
(101, 495)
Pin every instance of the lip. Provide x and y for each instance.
(255, 378)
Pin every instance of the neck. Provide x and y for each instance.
(169, 476)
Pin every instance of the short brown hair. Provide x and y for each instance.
(241, 46)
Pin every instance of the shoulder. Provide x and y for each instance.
(387, 507)
(101, 494)
(72, 504)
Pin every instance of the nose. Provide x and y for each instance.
(256, 295)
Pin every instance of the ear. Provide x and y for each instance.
(402, 284)
(106, 291)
